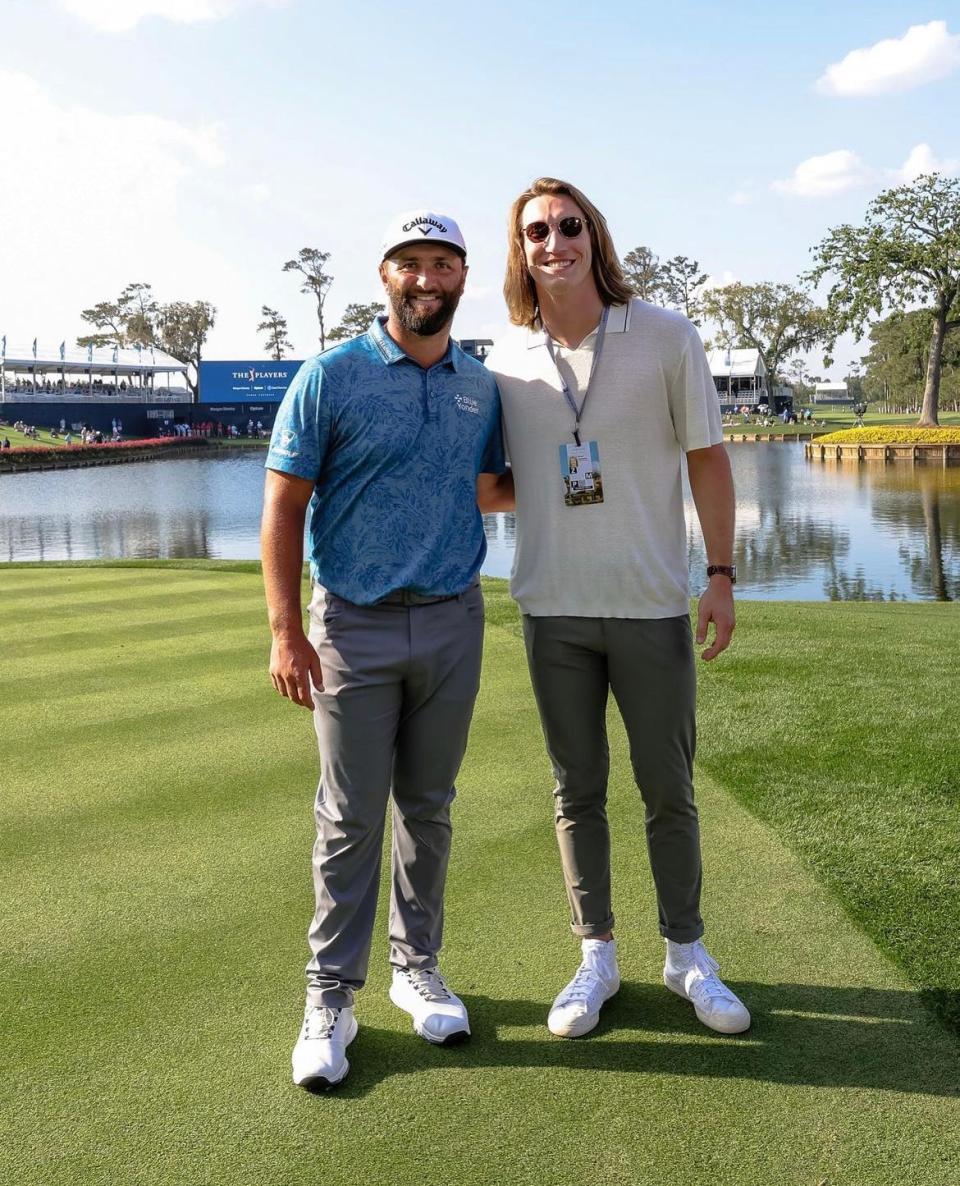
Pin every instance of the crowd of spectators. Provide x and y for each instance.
(87, 435)
(214, 428)
(761, 414)
(58, 387)
(28, 430)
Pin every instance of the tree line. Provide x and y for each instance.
(898, 274)
(137, 320)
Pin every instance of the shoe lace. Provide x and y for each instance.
(581, 986)
(706, 984)
(429, 984)
(319, 1023)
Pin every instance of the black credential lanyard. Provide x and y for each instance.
(568, 394)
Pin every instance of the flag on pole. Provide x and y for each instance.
(90, 353)
(3, 351)
(115, 353)
(34, 347)
(153, 357)
(63, 350)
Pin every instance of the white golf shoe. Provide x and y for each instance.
(576, 1010)
(320, 1055)
(691, 972)
(438, 1013)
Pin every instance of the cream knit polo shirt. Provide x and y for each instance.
(652, 400)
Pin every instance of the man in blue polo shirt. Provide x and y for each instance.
(393, 440)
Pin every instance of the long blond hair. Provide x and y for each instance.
(518, 288)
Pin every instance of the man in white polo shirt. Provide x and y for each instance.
(603, 396)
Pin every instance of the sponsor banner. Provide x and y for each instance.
(260, 381)
(234, 409)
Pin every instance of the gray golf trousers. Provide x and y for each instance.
(649, 666)
(393, 717)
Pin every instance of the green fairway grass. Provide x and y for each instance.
(20, 440)
(156, 809)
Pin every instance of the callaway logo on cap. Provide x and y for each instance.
(418, 226)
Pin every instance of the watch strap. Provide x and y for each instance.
(727, 570)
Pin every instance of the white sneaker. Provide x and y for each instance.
(576, 1010)
(438, 1013)
(691, 972)
(320, 1055)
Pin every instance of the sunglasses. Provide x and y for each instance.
(570, 227)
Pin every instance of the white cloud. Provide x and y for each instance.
(98, 205)
(922, 160)
(721, 279)
(923, 54)
(740, 198)
(257, 193)
(837, 172)
(120, 16)
(826, 175)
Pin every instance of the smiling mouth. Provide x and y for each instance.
(558, 265)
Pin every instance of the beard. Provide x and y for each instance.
(418, 321)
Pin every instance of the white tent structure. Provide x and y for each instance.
(739, 375)
(29, 373)
(831, 392)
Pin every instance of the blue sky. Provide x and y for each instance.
(197, 144)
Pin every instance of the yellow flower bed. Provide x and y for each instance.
(879, 435)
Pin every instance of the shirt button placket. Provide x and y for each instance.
(429, 387)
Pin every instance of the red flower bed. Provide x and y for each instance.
(32, 453)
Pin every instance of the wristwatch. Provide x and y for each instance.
(727, 570)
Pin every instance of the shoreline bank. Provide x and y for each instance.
(30, 460)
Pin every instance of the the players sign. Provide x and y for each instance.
(245, 382)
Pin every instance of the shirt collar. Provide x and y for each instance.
(618, 322)
(390, 352)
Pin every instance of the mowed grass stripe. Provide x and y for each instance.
(60, 584)
(835, 723)
(159, 944)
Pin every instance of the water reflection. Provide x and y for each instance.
(926, 522)
(806, 530)
(144, 536)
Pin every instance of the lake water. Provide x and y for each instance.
(805, 530)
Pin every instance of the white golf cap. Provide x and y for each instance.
(418, 226)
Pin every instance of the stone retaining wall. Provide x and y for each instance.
(915, 454)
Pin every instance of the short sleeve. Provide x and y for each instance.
(301, 431)
(493, 461)
(694, 404)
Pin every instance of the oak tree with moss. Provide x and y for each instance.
(356, 320)
(181, 328)
(776, 320)
(643, 272)
(906, 254)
